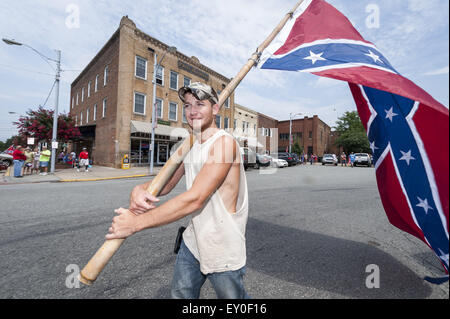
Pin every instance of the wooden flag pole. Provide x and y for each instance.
(100, 259)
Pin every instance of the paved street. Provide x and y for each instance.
(312, 232)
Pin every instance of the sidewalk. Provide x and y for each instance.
(95, 173)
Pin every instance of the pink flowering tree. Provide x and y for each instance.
(39, 124)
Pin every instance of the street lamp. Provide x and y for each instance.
(57, 77)
(291, 116)
(156, 67)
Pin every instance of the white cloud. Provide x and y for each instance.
(444, 70)
(223, 35)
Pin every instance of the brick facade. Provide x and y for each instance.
(108, 138)
(311, 133)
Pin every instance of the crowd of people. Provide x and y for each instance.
(28, 162)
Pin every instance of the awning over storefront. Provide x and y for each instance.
(251, 141)
(172, 131)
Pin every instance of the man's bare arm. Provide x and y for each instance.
(141, 200)
(173, 180)
(209, 179)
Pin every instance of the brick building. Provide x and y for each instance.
(111, 99)
(267, 134)
(245, 126)
(312, 134)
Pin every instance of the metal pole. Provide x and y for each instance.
(290, 132)
(152, 145)
(55, 114)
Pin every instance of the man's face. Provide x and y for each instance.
(200, 114)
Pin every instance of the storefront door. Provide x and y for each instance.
(163, 153)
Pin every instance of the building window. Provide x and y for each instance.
(310, 134)
(96, 83)
(159, 108)
(184, 115)
(218, 121)
(82, 94)
(77, 98)
(160, 76)
(81, 118)
(87, 116)
(73, 102)
(76, 120)
(139, 103)
(173, 110)
(263, 131)
(95, 112)
(226, 123)
(187, 81)
(89, 89)
(173, 80)
(104, 109)
(227, 102)
(141, 68)
(105, 76)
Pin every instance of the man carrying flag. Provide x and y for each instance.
(402, 121)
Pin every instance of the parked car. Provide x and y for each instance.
(262, 160)
(6, 160)
(362, 159)
(287, 157)
(249, 157)
(295, 156)
(329, 159)
(278, 162)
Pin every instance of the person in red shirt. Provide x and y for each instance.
(18, 159)
(84, 160)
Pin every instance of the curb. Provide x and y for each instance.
(103, 178)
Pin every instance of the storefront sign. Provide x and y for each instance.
(184, 66)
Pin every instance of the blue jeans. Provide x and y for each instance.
(18, 167)
(188, 279)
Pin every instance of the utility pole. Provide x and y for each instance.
(55, 114)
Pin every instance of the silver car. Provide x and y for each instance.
(362, 159)
(6, 159)
(329, 159)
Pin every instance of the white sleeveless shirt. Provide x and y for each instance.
(215, 236)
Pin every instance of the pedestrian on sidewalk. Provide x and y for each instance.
(343, 159)
(73, 159)
(84, 160)
(27, 168)
(36, 155)
(18, 160)
(352, 159)
(44, 158)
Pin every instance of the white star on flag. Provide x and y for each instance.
(373, 147)
(406, 157)
(314, 57)
(443, 256)
(374, 57)
(424, 204)
(390, 114)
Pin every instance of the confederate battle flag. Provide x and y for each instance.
(408, 130)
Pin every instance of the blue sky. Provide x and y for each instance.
(412, 34)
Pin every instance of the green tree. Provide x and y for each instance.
(14, 140)
(296, 148)
(352, 135)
